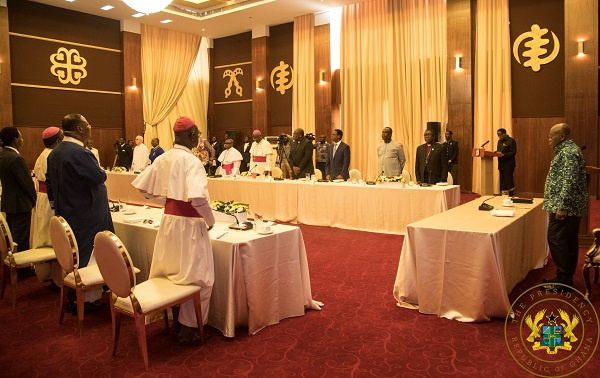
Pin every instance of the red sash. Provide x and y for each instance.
(181, 208)
(42, 188)
(228, 168)
(259, 159)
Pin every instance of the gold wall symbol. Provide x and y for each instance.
(536, 51)
(285, 77)
(68, 66)
(233, 81)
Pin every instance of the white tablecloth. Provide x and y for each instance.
(259, 279)
(461, 264)
(385, 208)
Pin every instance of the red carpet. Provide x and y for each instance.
(359, 333)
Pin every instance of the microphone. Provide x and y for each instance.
(583, 147)
(483, 145)
(255, 165)
(376, 179)
(486, 207)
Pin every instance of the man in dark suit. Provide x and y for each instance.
(124, 154)
(451, 147)
(75, 183)
(338, 158)
(506, 151)
(300, 158)
(431, 165)
(18, 191)
(218, 149)
(246, 155)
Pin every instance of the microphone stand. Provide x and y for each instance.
(240, 226)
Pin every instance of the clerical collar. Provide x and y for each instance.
(73, 140)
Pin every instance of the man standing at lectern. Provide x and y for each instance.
(506, 151)
(565, 198)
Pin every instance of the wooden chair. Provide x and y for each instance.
(78, 279)
(592, 260)
(13, 260)
(141, 300)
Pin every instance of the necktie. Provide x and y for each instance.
(335, 146)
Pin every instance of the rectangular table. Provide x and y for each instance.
(385, 207)
(462, 264)
(259, 279)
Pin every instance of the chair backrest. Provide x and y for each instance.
(277, 172)
(450, 180)
(64, 244)
(218, 170)
(318, 174)
(6, 241)
(406, 175)
(355, 175)
(114, 263)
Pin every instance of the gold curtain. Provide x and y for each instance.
(393, 73)
(167, 59)
(303, 96)
(493, 109)
(193, 102)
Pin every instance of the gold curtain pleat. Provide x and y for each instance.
(167, 59)
(493, 100)
(393, 74)
(303, 96)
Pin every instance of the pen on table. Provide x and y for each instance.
(223, 234)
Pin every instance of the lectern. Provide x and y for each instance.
(487, 170)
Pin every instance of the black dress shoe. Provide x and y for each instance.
(558, 288)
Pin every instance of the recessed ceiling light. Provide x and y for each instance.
(107, 7)
(70, 1)
(137, 15)
(166, 21)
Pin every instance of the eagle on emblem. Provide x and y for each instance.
(569, 324)
(535, 325)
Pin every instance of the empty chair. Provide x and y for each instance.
(318, 174)
(80, 280)
(218, 170)
(592, 260)
(450, 180)
(355, 175)
(13, 260)
(138, 301)
(277, 172)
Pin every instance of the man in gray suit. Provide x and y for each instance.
(338, 157)
(300, 158)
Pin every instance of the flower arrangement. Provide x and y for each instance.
(392, 179)
(229, 207)
(119, 169)
(248, 173)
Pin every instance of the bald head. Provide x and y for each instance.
(558, 134)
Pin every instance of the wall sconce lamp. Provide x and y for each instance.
(458, 64)
(580, 51)
(259, 84)
(133, 83)
(0, 67)
(322, 77)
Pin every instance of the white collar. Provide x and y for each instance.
(73, 140)
(181, 147)
(14, 149)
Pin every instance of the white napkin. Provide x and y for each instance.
(132, 220)
(502, 213)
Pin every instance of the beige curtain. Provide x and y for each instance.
(418, 68)
(493, 108)
(193, 102)
(167, 59)
(393, 73)
(303, 96)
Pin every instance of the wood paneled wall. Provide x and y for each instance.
(132, 97)
(260, 100)
(459, 88)
(322, 90)
(6, 115)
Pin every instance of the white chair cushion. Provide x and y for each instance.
(156, 293)
(33, 256)
(90, 275)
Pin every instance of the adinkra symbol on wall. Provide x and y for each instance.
(285, 77)
(233, 81)
(535, 47)
(68, 66)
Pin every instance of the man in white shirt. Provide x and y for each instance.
(182, 251)
(230, 159)
(140, 155)
(261, 154)
(90, 146)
